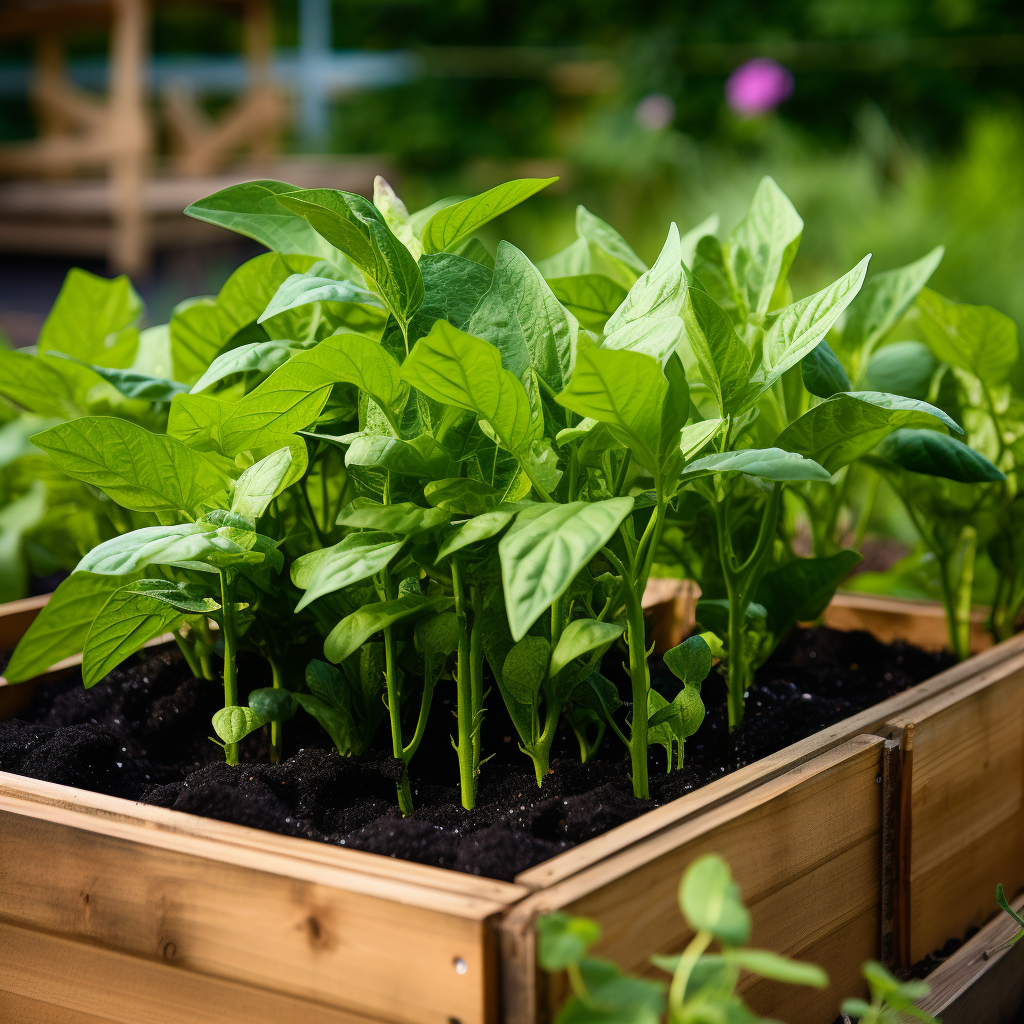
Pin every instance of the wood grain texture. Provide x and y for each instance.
(983, 981)
(53, 980)
(1002, 660)
(364, 943)
(805, 849)
(966, 807)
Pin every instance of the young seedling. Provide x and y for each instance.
(892, 1001)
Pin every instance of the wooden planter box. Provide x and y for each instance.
(879, 836)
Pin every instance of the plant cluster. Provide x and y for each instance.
(439, 466)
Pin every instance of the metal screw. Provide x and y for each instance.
(461, 967)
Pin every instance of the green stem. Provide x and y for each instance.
(639, 678)
(681, 978)
(421, 722)
(312, 517)
(620, 477)
(205, 652)
(276, 727)
(866, 509)
(965, 591)
(464, 691)
(540, 753)
(395, 704)
(476, 672)
(230, 669)
(191, 658)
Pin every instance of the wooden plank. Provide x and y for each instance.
(963, 829)
(16, 617)
(1004, 659)
(364, 943)
(804, 847)
(54, 980)
(983, 980)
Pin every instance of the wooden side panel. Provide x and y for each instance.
(374, 949)
(805, 849)
(964, 818)
(51, 980)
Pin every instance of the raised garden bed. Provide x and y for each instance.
(842, 842)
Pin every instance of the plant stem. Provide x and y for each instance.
(620, 477)
(317, 535)
(395, 704)
(476, 671)
(681, 978)
(540, 753)
(965, 591)
(639, 678)
(464, 690)
(276, 727)
(189, 652)
(230, 669)
(866, 509)
(206, 637)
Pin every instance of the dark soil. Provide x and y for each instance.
(143, 733)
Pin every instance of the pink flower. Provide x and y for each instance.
(758, 86)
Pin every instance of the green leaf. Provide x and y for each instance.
(355, 629)
(262, 357)
(883, 301)
(93, 320)
(762, 247)
(801, 590)
(626, 390)
(849, 425)
(690, 661)
(233, 724)
(128, 620)
(523, 319)
(778, 968)
(263, 481)
(140, 385)
(649, 318)
(616, 999)
(451, 226)
(139, 470)
(187, 598)
(396, 215)
(563, 940)
(403, 518)
(422, 457)
(461, 495)
(525, 670)
(710, 901)
(978, 339)
(327, 684)
(51, 386)
(474, 531)
(591, 298)
(823, 374)
(793, 332)
(581, 637)
(60, 628)
(541, 559)
(355, 226)
(935, 454)
(694, 436)
(722, 357)
(902, 368)
(252, 209)
(767, 463)
(457, 369)
(303, 289)
(351, 560)
(293, 396)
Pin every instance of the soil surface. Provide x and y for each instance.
(143, 734)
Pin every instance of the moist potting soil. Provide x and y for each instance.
(143, 733)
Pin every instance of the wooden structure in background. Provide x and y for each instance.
(111, 138)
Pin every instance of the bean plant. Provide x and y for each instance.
(393, 462)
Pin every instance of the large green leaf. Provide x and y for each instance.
(60, 629)
(848, 425)
(762, 247)
(598, 249)
(823, 374)
(17, 518)
(884, 300)
(779, 968)
(978, 339)
(901, 368)
(649, 318)
(294, 394)
(397, 216)
(140, 385)
(451, 226)
(261, 483)
(187, 598)
(252, 209)
(139, 470)
(581, 637)
(356, 227)
(935, 454)
(128, 620)
(421, 457)
(403, 518)
(540, 560)
(793, 332)
(767, 463)
(353, 559)
(710, 901)
(303, 289)
(457, 369)
(93, 319)
(51, 386)
(475, 531)
(801, 590)
(723, 359)
(521, 317)
(522, 676)
(355, 629)
(626, 390)
(591, 298)
(262, 357)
